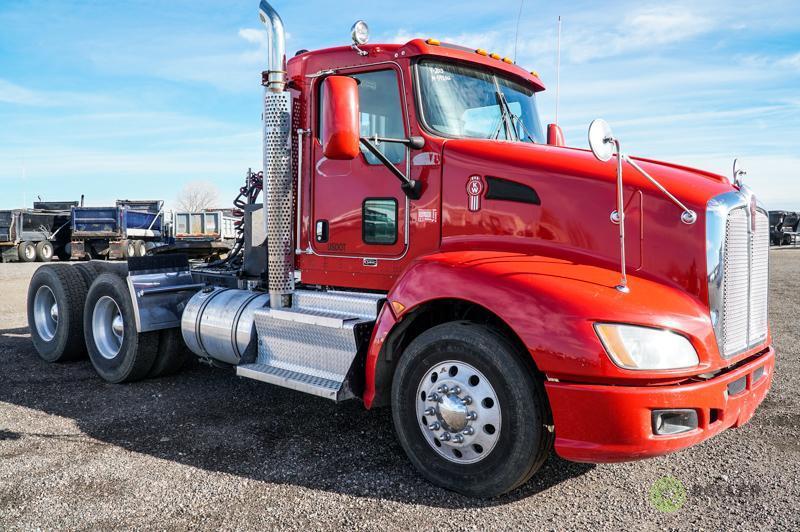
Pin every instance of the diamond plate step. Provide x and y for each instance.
(360, 304)
(294, 380)
(314, 345)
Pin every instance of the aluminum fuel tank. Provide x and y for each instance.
(218, 323)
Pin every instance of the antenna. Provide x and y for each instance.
(558, 67)
(516, 33)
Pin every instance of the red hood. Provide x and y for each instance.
(691, 185)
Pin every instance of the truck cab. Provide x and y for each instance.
(423, 245)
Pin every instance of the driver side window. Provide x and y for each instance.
(380, 113)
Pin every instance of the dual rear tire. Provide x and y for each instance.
(86, 308)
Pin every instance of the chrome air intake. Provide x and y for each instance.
(737, 239)
(277, 145)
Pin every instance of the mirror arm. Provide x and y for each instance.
(415, 143)
(411, 188)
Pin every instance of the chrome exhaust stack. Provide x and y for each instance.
(277, 146)
(276, 47)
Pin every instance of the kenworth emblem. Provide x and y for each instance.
(474, 191)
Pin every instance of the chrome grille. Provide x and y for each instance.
(738, 271)
(736, 282)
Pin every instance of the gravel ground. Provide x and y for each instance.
(205, 450)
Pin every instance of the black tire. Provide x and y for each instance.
(92, 269)
(172, 356)
(136, 352)
(141, 248)
(69, 290)
(44, 251)
(524, 440)
(128, 249)
(26, 251)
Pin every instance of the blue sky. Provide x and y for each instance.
(135, 99)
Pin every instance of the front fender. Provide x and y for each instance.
(551, 304)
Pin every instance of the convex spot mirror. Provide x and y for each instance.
(340, 118)
(601, 139)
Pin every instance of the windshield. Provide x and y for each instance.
(461, 101)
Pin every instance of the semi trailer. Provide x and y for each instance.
(36, 234)
(128, 229)
(418, 241)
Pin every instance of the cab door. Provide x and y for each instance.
(358, 207)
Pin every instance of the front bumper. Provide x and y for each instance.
(600, 423)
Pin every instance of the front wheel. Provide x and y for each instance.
(469, 412)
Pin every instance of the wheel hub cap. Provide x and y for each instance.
(458, 412)
(45, 313)
(108, 327)
(452, 411)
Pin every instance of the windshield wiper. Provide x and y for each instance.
(506, 116)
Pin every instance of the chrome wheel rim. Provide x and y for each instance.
(47, 252)
(108, 327)
(131, 249)
(30, 252)
(458, 412)
(45, 313)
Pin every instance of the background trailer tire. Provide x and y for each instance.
(118, 353)
(27, 251)
(44, 251)
(468, 410)
(56, 296)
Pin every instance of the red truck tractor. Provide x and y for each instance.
(417, 240)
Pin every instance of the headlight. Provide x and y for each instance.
(633, 347)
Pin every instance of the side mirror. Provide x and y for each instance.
(601, 139)
(555, 137)
(340, 123)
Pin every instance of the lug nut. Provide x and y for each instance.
(458, 438)
(456, 389)
(429, 411)
(443, 389)
(445, 437)
(469, 431)
(467, 400)
(472, 416)
(433, 397)
(434, 426)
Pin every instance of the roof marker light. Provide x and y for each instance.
(494, 56)
(508, 60)
(433, 42)
(481, 51)
(534, 73)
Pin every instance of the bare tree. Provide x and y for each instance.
(197, 196)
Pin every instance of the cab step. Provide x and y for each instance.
(318, 345)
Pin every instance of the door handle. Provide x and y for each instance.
(321, 230)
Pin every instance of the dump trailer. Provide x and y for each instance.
(200, 235)
(128, 229)
(417, 240)
(36, 234)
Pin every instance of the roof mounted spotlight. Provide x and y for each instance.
(360, 35)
